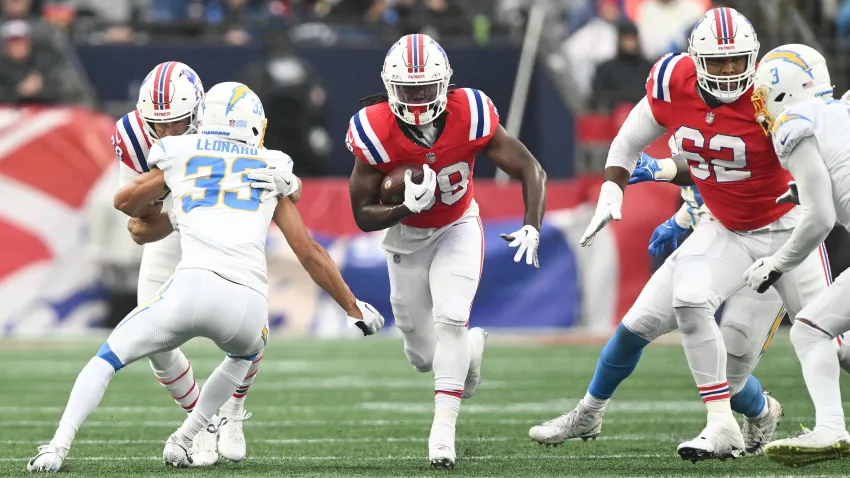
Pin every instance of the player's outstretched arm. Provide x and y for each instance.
(512, 157)
(145, 189)
(322, 268)
(369, 213)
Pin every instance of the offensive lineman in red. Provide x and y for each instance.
(703, 100)
(434, 240)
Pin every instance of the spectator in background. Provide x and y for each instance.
(234, 19)
(26, 75)
(623, 78)
(664, 25)
(367, 11)
(294, 102)
(114, 18)
(592, 44)
(434, 17)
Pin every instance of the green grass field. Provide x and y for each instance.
(356, 408)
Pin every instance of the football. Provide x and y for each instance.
(392, 187)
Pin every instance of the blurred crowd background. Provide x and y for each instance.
(563, 74)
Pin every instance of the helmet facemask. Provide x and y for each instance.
(418, 103)
(726, 88)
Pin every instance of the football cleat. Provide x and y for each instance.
(822, 444)
(231, 437)
(176, 453)
(477, 340)
(718, 441)
(204, 450)
(758, 432)
(48, 460)
(441, 446)
(579, 423)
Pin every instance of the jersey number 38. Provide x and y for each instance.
(690, 140)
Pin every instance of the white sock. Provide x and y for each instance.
(451, 366)
(221, 385)
(762, 413)
(821, 372)
(235, 405)
(174, 372)
(594, 404)
(85, 396)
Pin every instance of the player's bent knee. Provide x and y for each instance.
(643, 325)
(421, 363)
(165, 360)
(737, 337)
(457, 316)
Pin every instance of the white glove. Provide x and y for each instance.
(419, 197)
(280, 182)
(526, 239)
(762, 274)
(607, 210)
(790, 196)
(372, 319)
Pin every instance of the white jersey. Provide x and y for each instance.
(223, 222)
(828, 122)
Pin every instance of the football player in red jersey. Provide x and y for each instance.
(703, 100)
(434, 240)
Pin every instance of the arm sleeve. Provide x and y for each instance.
(638, 132)
(815, 188)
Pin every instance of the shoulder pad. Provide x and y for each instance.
(662, 81)
(484, 117)
(362, 140)
(793, 125)
(131, 143)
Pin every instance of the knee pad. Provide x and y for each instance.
(645, 326)
(737, 337)
(690, 319)
(420, 363)
(457, 316)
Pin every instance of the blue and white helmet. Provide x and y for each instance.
(787, 75)
(231, 110)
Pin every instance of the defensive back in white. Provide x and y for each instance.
(223, 221)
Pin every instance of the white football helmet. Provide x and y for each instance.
(231, 110)
(723, 33)
(786, 75)
(172, 91)
(416, 74)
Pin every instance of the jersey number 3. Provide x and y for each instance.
(208, 172)
(725, 170)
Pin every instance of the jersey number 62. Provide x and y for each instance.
(725, 171)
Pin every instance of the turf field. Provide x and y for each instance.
(356, 408)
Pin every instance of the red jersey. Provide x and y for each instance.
(471, 120)
(732, 161)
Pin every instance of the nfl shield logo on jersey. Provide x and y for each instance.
(709, 118)
(431, 157)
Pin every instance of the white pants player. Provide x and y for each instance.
(194, 303)
(696, 279)
(432, 286)
(748, 322)
(174, 371)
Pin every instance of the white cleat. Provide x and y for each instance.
(48, 460)
(204, 450)
(758, 432)
(822, 444)
(477, 340)
(718, 441)
(231, 437)
(579, 423)
(441, 447)
(176, 453)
